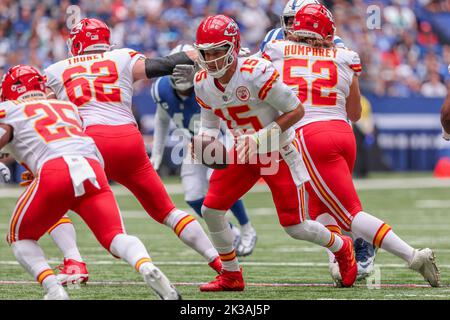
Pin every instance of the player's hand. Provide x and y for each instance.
(244, 52)
(27, 178)
(5, 174)
(156, 161)
(246, 147)
(183, 76)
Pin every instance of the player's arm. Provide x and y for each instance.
(50, 93)
(353, 101)
(6, 134)
(445, 118)
(162, 126)
(148, 68)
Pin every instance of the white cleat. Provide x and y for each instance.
(159, 283)
(335, 273)
(236, 234)
(247, 242)
(56, 293)
(424, 262)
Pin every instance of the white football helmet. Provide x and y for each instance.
(290, 9)
(181, 85)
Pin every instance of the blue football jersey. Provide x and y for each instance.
(185, 112)
(278, 34)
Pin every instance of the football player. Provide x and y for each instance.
(249, 96)
(177, 102)
(365, 252)
(47, 138)
(99, 81)
(325, 77)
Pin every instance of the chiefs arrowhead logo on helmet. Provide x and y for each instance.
(231, 30)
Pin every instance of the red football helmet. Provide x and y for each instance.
(89, 35)
(314, 21)
(216, 32)
(21, 80)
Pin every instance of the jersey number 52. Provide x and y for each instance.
(315, 90)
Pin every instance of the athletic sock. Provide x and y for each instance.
(64, 235)
(315, 232)
(191, 233)
(222, 237)
(32, 258)
(130, 249)
(375, 231)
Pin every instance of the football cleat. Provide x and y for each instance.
(216, 265)
(347, 262)
(365, 254)
(334, 272)
(159, 283)
(225, 281)
(424, 262)
(236, 234)
(56, 293)
(72, 272)
(247, 241)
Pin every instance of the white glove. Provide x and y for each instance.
(5, 174)
(445, 135)
(244, 52)
(156, 161)
(183, 76)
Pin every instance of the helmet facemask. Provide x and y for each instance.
(228, 58)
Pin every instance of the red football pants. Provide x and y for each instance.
(329, 152)
(127, 163)
(228, 185)
(51, 195)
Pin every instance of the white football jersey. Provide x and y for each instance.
(101, 85)
(254, 97)
(320, 77)
(44, 130)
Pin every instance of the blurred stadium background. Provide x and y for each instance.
(405, 61)
(404, 82)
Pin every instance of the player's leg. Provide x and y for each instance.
(225, 187)
(245, 238)
(73, 269)
(195, 181)
(99, 209)
(127, 162)
(332, 182)
(290, 203)
(45, 201)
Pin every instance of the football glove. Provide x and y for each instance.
(183, 76)
(27, 178)
(5, 174)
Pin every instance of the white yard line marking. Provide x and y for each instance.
(135, 283)
(370, 184)
(433, 204)
(244, 263)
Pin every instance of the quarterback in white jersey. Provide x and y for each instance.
(46, 136)
(100, 82)
(250, 97)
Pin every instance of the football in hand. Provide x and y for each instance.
(210, 152)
